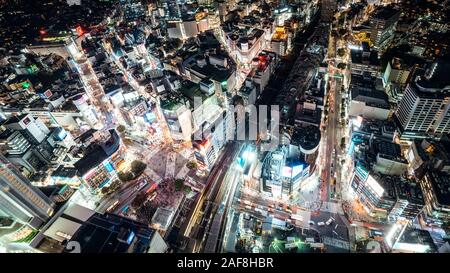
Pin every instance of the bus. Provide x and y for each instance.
(113, 206)
(297, 217)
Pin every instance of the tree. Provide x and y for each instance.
(121, 128)
(187, 189)
(125, 176)
(105, 190)
(127, 142)
(139, 200)
(191, 165)
(176, 43)
(179, 183)
(137, 167)
(340, 52)
(114, 185)
(342, 31)
(341, 65)
(343, 142)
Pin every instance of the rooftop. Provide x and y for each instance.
(359, 57)
(97, 153)
(306, 137)
(436, 76)
(110, 233)
(385, 13)
(373, 97)
(440, 182)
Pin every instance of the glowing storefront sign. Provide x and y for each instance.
(108, 167)
(416, 248)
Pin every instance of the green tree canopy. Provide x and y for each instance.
(179, 183)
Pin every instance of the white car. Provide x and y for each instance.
(329, 222)
(321, 224)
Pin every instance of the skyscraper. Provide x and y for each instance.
(424, 110)
(19, 199)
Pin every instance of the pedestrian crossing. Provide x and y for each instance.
(332, 207)
(170, 165)
(336, 243)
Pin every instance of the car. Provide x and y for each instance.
(311, 223)
(321, 224)
(329, 222)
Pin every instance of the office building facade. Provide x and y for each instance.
(19, 199)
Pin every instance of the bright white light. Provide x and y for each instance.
(416, 248)
(391, 234)
(375, 186)
(249, 156)
(355, 47)
(357, 121)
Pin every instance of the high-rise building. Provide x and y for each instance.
(365, 61)
(211, 138)
(435, 186)
(19, 199)
(382, 25)
(424, 110)
(328, 7)
(32, 128)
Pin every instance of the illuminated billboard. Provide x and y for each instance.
(287, 171)
(292, 171)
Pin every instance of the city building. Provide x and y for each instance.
(364, 60)
(262, 68)
(98, 233)
(398, 73)
(100, 161)
(284, 169)
(382, 25)
(20, 200)
(387, 198)
(32, 146)
(33, 129)
(435, 186)
(210, 138)
(132, 9)
(223, 73)
(281, 41)
(413, 240)
(368, 103)
(424, 110)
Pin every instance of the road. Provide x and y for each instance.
(125, 194)
(206, 205)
